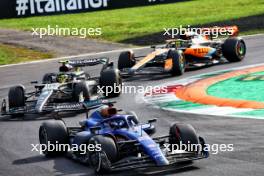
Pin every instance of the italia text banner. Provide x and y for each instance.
(26, 8)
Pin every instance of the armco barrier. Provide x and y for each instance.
(26, 8)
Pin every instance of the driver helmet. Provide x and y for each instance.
(107, 111)
(62, 78)
(186, 35)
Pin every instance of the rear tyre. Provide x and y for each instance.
(126, 60)
(178, 62)
(48, 78)
(181, 133)
(101, 160)
(16, 98)
(81, 92)
(111, 82)
(53, 132)
(234, 49)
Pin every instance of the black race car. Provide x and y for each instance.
(63, 91)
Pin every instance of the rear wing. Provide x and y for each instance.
(220, 31)
(86, 62)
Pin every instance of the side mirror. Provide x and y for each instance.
(39, 87)
(109, 103)
(118, 124)
(111, 64)
(114, 125)
(79, 78)
(153, 46)
(152, 120)
(34, 82)
(95, 129)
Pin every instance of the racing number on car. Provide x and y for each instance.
(201, 50)
(198, 52)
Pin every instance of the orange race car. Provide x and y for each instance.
(191, 50)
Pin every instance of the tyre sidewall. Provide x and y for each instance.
(56, 133)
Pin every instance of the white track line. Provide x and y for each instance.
(90, 54)
(251, 35)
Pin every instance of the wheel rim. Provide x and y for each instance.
(241, 49)
(95, 160)
(182, 63)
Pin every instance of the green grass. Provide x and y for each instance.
(12, 54)
(121, 24)
(234, 88)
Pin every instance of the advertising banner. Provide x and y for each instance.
(26, 8)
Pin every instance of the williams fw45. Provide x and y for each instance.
(119, 142)
(191, 50)
(64, 90)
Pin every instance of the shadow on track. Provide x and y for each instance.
(156, 77)
(62, 166)
(36, 117)
(74, 167)
(30, 160)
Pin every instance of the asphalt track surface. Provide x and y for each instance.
(247, 135)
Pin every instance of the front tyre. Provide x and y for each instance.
(101, 160)
(53, 133)
(234, 49)
(185, 134)
(178, 62)
(16, 99)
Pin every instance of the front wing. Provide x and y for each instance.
(144, 71)
(146, 162)
(55, 107)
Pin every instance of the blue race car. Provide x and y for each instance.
(121, 141)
